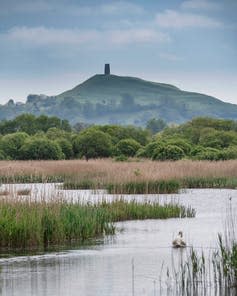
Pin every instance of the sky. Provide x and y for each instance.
(50, 46)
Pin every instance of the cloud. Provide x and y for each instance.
(62, 6)
(113, 8)
(42, 36)
(200, 5)
(29, 6)
(179, 20)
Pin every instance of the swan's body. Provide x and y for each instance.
(179, 242)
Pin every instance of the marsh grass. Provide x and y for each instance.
(27, 224)
(123, 177)
(210, 182)
(150, 187)
(24, 178)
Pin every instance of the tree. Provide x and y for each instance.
(118, 133)
(41, 149)
(181, 143)
(2, 155)
(92, 143)
(54, 133)
(66, 147)
(127, 147)
(155, 125)
(11, 144)
(31, 124)
(168, 152)
(209, 154)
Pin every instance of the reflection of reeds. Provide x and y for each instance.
(23, 192)
(27, 224)
(193, 278)
(4, 192)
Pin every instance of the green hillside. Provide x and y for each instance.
(122, 100)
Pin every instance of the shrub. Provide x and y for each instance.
(128, 147)
(197, 150)
(2, 155)
(10, 144)
(92, 144)
(121, 158)
(169, 152)
(181, 143)
(66, 147)
(228, 153)
(149, 149)
(209, 154)
(41, 149)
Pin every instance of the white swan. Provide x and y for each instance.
(179, 242)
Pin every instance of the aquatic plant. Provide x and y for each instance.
(27, 224)
(143, 187)
(210, 182)
(200, 273)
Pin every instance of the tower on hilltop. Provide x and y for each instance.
(107, 69)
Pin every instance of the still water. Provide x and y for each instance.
(105, 268)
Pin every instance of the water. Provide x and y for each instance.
(106, 269)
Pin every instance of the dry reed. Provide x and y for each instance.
(108, 171)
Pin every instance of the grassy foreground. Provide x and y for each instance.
(124, 177)
(37, 225)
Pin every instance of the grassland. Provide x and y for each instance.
(124, 177)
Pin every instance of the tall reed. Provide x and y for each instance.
(134, 177)
(29, 224)
(202, 274)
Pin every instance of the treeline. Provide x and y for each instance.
(29, 137)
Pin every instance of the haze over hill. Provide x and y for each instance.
(122, 100)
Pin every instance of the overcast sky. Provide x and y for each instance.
(49, 46)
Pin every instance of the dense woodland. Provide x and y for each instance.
(29, 137)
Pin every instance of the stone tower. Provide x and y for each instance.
(107, 69)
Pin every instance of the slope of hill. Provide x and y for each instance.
(122, 100)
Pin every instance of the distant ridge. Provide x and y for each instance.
(113, 99)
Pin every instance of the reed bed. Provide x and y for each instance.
(209, 182)
(149, 187)
(124, 177)
(26, 225)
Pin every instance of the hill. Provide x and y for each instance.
(122, 100)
